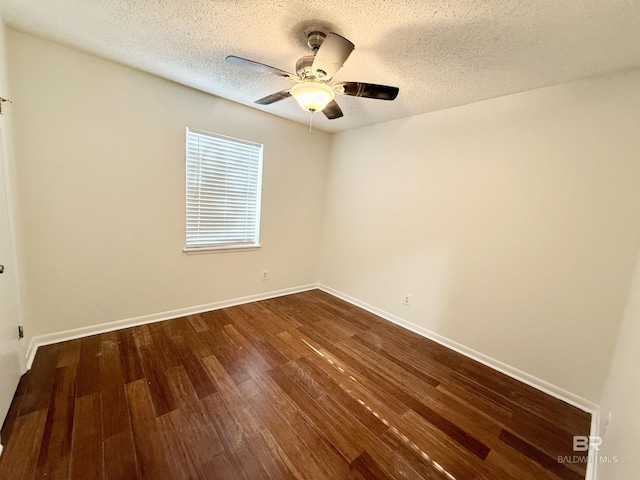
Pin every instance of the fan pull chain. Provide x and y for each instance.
(310, 120)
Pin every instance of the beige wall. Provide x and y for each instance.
(513, 223)
(100, 151)
(621, 398)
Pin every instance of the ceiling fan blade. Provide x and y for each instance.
(332, 110)
(274, 97)
(260, 67)
(331, 55)
(367, 90)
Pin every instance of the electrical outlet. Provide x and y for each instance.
(406, 299)
(265, 275)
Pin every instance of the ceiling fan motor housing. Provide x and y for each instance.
(303, 67)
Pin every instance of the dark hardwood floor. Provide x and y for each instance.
(298, 387)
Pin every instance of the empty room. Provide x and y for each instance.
(319, 240)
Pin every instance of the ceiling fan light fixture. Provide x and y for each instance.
(312, 96)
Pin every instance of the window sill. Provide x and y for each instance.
(229, 249)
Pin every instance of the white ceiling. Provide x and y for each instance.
(440, 53)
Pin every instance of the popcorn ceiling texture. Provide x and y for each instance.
(440, 53)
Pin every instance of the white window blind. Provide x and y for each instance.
(224, 183)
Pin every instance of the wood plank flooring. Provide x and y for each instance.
(304, 386)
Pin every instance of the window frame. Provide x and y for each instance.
(229, 246)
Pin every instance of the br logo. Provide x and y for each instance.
(582, 443)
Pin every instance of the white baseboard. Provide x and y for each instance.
(57, 337)
(513, 372)
(508, 370)
(592, 467)
(546, 387)
(542, 385)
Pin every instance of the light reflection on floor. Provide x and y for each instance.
(392, 428)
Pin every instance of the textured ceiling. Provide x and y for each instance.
(440, 53)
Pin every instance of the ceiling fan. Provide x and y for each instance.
(314, 72)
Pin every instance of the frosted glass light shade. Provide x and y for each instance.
(312, 96)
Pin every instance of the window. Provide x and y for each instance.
(224, 184)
